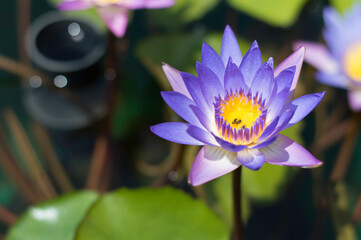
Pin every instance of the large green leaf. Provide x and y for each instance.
(150, 214)
(280, 13)
(56, 219)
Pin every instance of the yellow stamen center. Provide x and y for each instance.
(352, 61)
(240, 111)
(239, 118)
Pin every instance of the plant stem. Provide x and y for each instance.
(347, 148)
(238, 229)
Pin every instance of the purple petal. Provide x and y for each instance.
(210, 163)
(283, 84)
(277, 105)
(332, 18)
(282, 123)
(251, 62)
(229, 146)
(210, 84)
(303, 106)
(175, 80)
(251, 158)
(136, 4)
(175, 132)
(319, 57)
(230, 47)
(335, 80)
(194, 88)
(182, 106)
(74, 5)
(270, 62)
(208, 121)
(352, 31)
(116, 19)
(263, 82)
(286, 152)
(295, 59)
(354, 98)
(265, 143)
(269, 129)
(284, 79)
(334, 32)
(210, 58)
(202, 136)
(233, 78)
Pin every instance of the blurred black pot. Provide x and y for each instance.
(67, 47)
(70, 51)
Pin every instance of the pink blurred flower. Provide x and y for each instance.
(114, 12)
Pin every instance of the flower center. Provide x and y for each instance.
(352, 61)
(240, 119)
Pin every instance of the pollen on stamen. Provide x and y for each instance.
(240, 118)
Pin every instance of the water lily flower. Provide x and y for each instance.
(114, 12)
(339, 64)
(235, 109)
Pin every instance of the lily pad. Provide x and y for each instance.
(56, 219)
(342, 5)
(184, 11)
(279, 13)
(151, 214)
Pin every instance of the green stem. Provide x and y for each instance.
(238, 229)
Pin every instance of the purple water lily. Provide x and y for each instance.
(114, 12)
(235, 109)
(339, 65)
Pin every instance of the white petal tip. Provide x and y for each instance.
(314, 166)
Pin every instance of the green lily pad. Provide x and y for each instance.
(280, 13)
(150, 214)
(56, 219)
(343, 5)
(184, 11)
